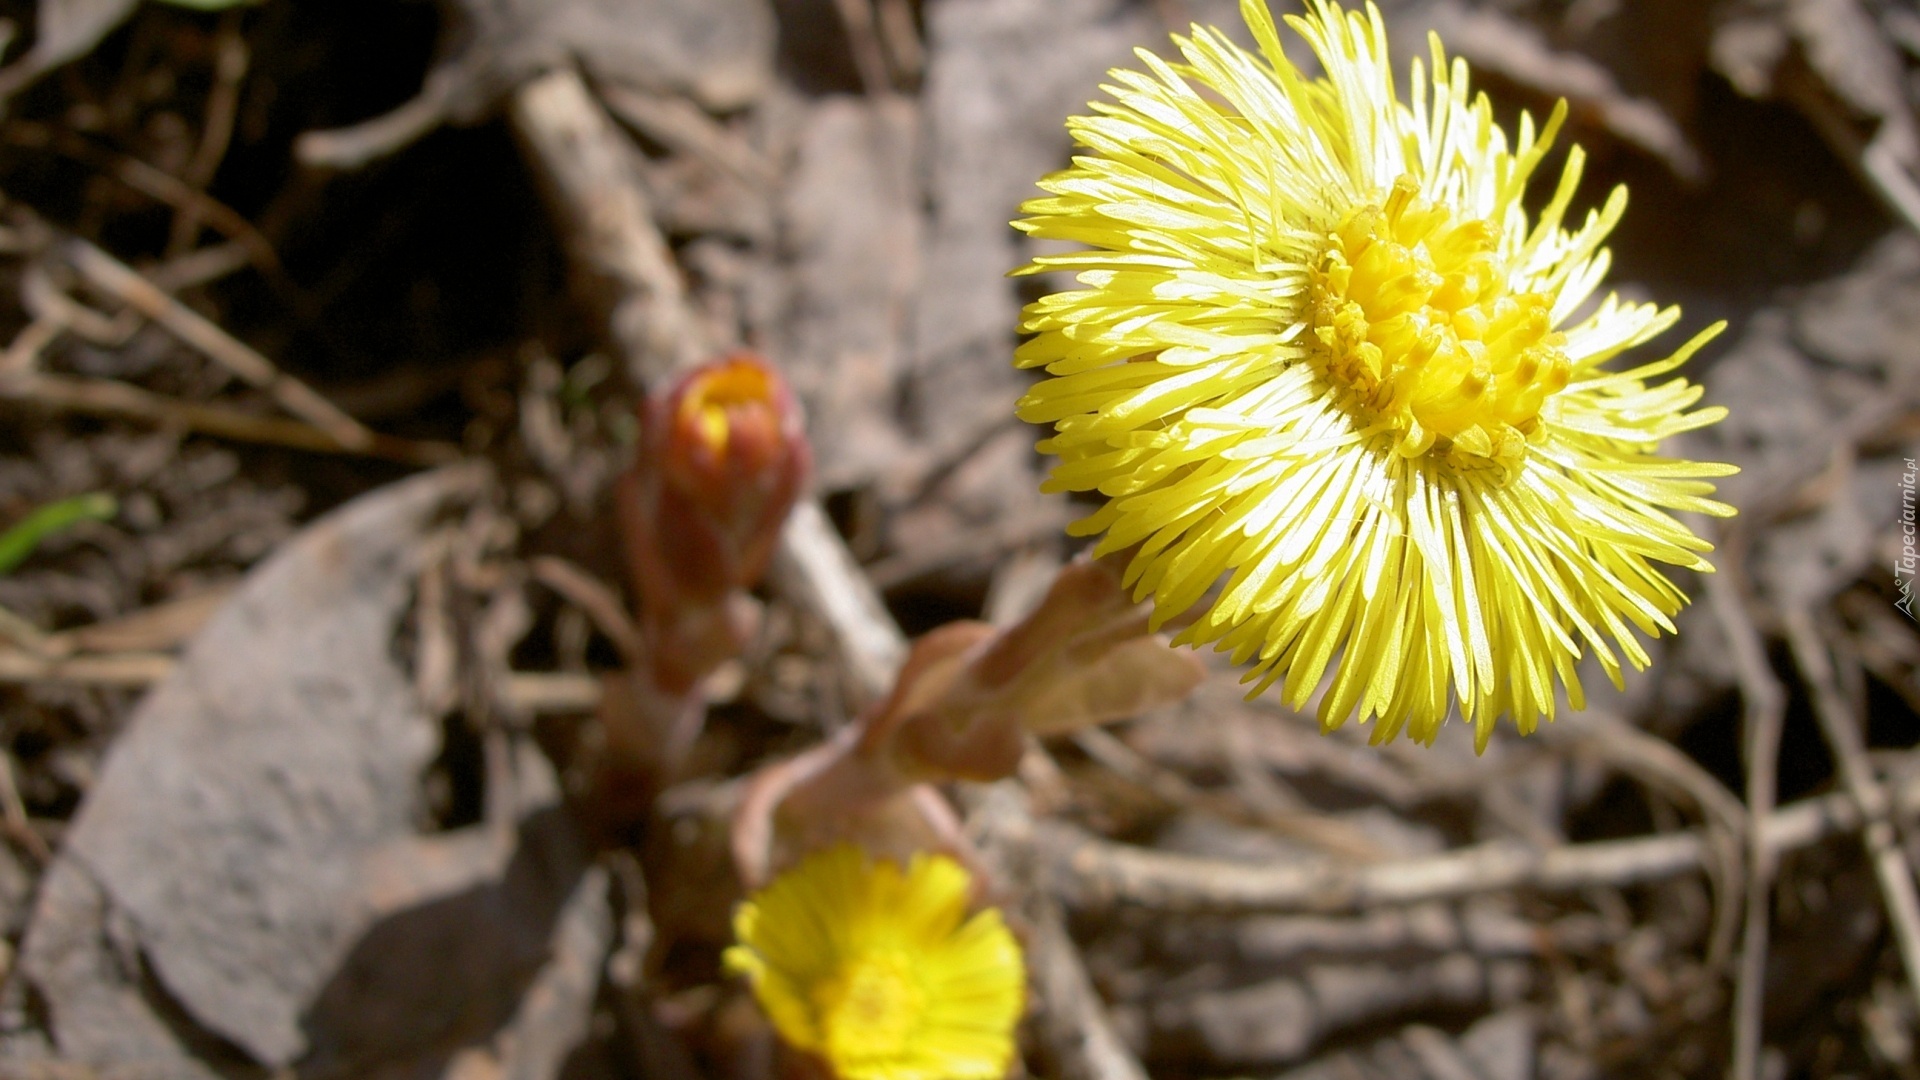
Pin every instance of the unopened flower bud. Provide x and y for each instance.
(722, 458)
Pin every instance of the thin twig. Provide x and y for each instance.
(14, 808)
(162, 626)
(106, 397)
(130, 669)
(1439, 1056)
(23, 353)
(358, 145)
(1661, 765)
(45, 300)
(685, 127)
(1091, 873)
(527, 693)
(437, 682)
(1842, 729)
(1073, 1019)
(597, 600)
(200, 266)
(552, 693)
(216, 129)
(153, 183)
(1327, 834)
(814, 570)
(863, 38)
(1765, 711)
(151, 629)
(22, 632)
(1887, 174)
(120, 281)
(592, 174)
(902, 38)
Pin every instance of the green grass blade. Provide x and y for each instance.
(19, 542)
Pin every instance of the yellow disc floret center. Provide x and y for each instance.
(870, 1010)
(1412, 313)
(715, 397)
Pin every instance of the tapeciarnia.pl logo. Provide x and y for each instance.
(1903, 569)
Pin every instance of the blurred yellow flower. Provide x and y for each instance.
(1321, 349)
(879, 971)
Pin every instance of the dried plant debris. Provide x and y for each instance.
(1808, 385)
(1002, 76)
(853, 228)
(63, 30)
(186, 515)
(321, 800)
(721, 55)
(1497, 43)
(308, 907)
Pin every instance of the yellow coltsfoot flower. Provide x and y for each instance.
(879, 972)
(1322, 350)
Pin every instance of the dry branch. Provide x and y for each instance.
(814, 570)
(13, 812)
(598, 601)
(1090, 873)
(686, 127)
(596, 189)
(1663, 766)
(156, 184)
(863, 37)
(534, 693)
(1765, 712)
(105, 397)
(120, 281)
(133, 669)
(1073, 1020)
(1844, 738)
(231, 58)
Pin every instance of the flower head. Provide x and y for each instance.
(1322, 349)
(878, 970)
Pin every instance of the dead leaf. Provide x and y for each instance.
(96, 1008)
(229, 819)
(256, 832)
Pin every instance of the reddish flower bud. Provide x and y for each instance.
(722, 458)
